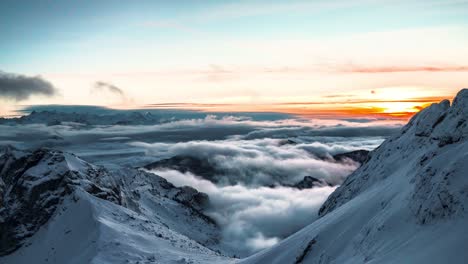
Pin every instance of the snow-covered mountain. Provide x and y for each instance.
(57, 208)
(406, 204)
(59, 117)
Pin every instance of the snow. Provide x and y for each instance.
(90, 230)
(120, 216)
(69, 237)
(404, 205)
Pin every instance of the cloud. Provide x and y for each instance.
(209, 128)
(20, 87)
(244, 150)
(254, 218)
(331, 131)
(397, 69)
(110, 88)
(103, 86)
(266, 162)
(252, 215)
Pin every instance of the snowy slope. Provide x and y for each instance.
(57, 208)
(406, 204)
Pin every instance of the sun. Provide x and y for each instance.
(401, 101)
(400, 107)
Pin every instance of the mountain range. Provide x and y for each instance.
(406, 203)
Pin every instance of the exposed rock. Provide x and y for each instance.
(306, 251)
(309, 182)
(33, 184)
(191, 197)
(198, 166)
(359, 156)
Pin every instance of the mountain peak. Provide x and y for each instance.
(461, 99)
(412, 189)
(436, 126)
(440, 122)
(36, 183)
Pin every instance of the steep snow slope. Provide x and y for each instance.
(57, 208)
(406, 204)
(89, 230)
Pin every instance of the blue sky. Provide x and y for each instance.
(233, 51)
(61, 30)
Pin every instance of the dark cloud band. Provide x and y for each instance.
(21, 87)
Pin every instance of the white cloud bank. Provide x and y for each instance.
(254, 218)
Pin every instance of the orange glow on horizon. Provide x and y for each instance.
(382, 105)
(392, 110)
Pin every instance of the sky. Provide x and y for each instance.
(385, 59)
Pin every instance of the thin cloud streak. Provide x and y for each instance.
(398, 69)
(341, 108)
(99, 86)
(110, 88)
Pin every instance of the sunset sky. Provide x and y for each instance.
(316, 58)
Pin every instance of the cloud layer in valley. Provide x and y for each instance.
(196, 127)
(265, 162)
(258, 155)
(254, 218)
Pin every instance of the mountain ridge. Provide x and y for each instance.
(39, 188)
(404, 205)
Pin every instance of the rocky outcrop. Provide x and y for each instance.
(308, 182)
(33, 184)
(191, 197)
(183, 163)
(359, 156)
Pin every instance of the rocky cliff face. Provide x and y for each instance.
(34, 184)
(198, 166)
(359, 156)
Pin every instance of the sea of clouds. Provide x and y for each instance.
(255, 154)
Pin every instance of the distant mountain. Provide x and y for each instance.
(309, 182)
(199, 166)
(202, 167)
(359, 156)
(206, 169)
(95, 115)
(406, 204)
(58, 208)
(56, 118)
